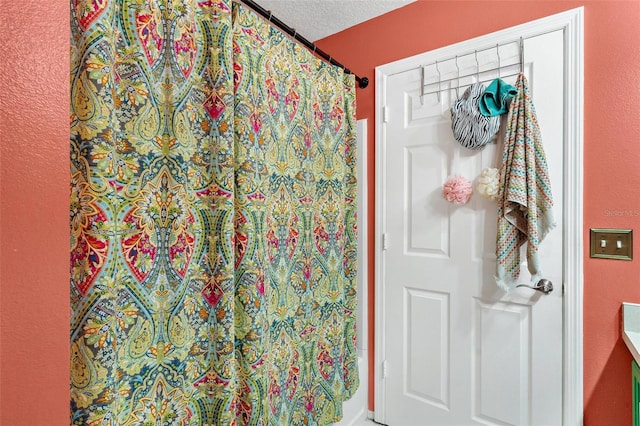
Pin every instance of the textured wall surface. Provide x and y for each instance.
(611, 148)
(34, 180)
(308, 15)
(34, 213)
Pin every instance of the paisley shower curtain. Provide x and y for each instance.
(213, 245)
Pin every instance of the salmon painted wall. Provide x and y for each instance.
(34, 213)
(34, 309)
(611, 149)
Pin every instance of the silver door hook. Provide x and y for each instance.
(439, 79)
(544, 285)
(458, 79)
(422, 86)
(521, 55)
(475, 53)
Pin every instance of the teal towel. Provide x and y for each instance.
(494, 100)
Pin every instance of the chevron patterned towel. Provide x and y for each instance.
(525, 202)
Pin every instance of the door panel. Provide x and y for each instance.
(427, 351)
(427, 230)
(459, 350)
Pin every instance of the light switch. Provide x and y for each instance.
(612, 243)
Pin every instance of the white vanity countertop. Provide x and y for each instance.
(631, 328)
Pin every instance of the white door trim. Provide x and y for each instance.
(363, 242)
(572, 22)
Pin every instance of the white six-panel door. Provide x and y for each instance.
(458, 350)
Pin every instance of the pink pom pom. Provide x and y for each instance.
(457, 190)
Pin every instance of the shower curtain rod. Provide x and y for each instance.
(362, 81)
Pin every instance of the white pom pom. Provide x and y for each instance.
(488, 183)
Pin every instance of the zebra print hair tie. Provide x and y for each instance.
(470, 128)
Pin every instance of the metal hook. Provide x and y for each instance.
(314, 48)
(295, 33)
(458, 78)
(521, 55)
(421, 86)
(499, 64)
(439, 79)
(475, 53)
(270, 15)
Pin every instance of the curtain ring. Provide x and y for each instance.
(295, 32)
(314, 48)
(270, 15)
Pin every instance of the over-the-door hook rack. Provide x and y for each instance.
(458, 76)
(511, 68)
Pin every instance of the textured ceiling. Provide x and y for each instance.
(316, 19)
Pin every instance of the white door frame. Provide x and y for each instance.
(572, 22)
(363, 245)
